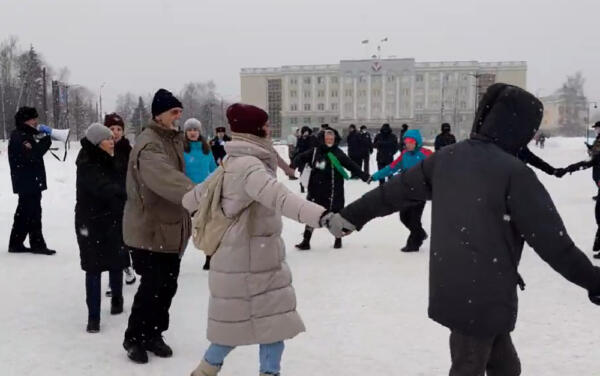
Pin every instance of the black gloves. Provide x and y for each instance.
(560, 172)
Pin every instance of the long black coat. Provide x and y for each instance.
(326, 184)
(121, 159)
(359, 144)
(99, 210)
(485, 204)
(386, 144)
(26, 150)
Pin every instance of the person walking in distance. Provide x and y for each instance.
(156, 226)
(445, 138)
(26, 148)
(386, 144)
(218, 144)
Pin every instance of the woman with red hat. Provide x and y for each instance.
(252, 300)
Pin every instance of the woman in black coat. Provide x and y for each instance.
(98, 217)
(386, 144)
(306, 142)
(326, 183)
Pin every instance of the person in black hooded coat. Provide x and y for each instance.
(98, 217)
(386, 144)
(485, 205)
(326, 184)
(445, 138)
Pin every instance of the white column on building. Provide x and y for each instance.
(341, 96)
(327, 93)
(412, 96)
(300, 93)
(426, 82)
(313, 106)
(383, 95)
(355, 94)
(369, 93)
(285, 105)
(398, 79)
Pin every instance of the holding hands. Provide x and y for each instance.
(337, 225)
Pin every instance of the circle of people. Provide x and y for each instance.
(137, 207)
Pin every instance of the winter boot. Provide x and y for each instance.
(305, 244)
(338, 243)
(158, 346)
(18, 249)
(93, 326)
(206, 369)
(206, 265)
(415, 241)
(129, 276)
(135, 352)
(116, 305)
(596, 246)
(43, 251)
(301, 188)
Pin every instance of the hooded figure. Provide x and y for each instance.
(386, 144)
(445, 138)
(326, 184)
(485, 205)
(307, 141)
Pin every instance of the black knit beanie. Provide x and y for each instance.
(164, 101)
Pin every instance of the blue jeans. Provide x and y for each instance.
(270, 356)
(92, 290)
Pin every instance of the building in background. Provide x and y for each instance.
(376, 91)
(567, 112)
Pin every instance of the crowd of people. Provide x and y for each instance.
(134, 209)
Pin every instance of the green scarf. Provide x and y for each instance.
(337, 165)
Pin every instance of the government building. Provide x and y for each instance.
(376, 91)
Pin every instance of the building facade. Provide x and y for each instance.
(566, 113)
(376, 91)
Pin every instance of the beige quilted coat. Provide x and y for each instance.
(252, 299)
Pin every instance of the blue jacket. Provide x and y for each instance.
(197, 164)
(407, 159)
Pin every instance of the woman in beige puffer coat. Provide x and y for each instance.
(252, 300)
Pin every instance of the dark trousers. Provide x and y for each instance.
(93, 293)
(158, 285)
(475, 356)
(28, 221)
(410, 216)
(381, 165)
(365, 164)
(358, 160)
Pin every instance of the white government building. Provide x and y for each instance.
(376, 91)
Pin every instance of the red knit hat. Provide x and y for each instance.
(245, 118)
(410, 140)
(113, 119)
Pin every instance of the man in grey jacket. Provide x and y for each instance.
(155, 226)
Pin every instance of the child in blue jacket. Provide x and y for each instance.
(199, 160)
(412, 154)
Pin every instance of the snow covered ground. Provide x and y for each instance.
(365, 306)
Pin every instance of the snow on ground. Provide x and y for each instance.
(365, 306)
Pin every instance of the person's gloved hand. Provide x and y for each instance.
(45, 129)
(560, 172)
(337, 225)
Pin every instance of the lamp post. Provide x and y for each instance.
(100, 101)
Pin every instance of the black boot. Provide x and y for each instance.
(301, 188)
(18, 249)
(338, 243)
(415, 241)
(206, 265)
(93, 326)
(158, 346)
(135, 351)
(305, 244)
(116, 305)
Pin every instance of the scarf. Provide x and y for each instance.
(337, 165)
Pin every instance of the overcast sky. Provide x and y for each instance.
(142, 45)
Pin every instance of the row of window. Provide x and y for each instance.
(318, 120)
(308, 80)
(347, 93)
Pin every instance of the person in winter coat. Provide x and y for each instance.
(386, 144)
(326, 183)
(353, 141)
(403, 130)
(155, 225)
(26, 148)
(218, 144)
(445, 138)
(252, 300)
(121, 160)
(366, 149)
(486, 205)
(411, 214)
(199, 161)
(306, 142)
(594, 163)
(98, 215)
